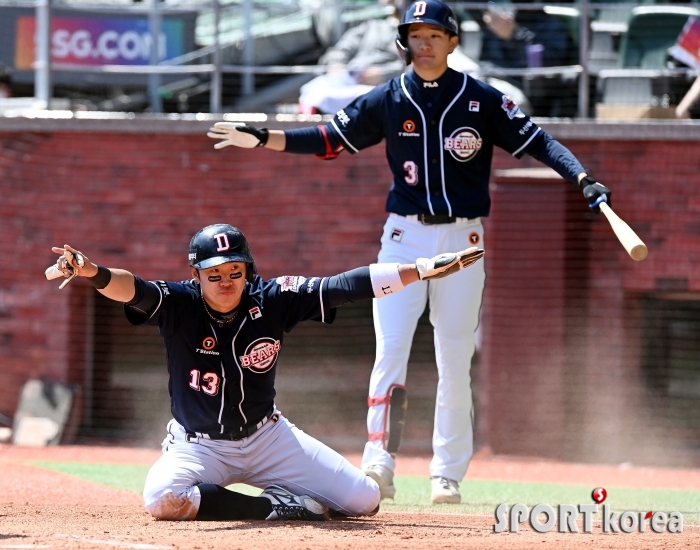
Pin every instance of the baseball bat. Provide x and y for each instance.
(627, 237)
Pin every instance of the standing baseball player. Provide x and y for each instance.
(440, 128)
(223, 331)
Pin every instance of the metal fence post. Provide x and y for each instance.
(583, 79)
(248, 48)
(216, 83)
(154, 25)
(42, 64)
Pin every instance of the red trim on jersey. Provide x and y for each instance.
(330, 154)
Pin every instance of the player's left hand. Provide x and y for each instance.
(446, 264)
(239, 134)
(595, 193)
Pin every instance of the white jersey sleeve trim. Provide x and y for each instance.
(342, 136)
(442, 148)
(526, 143)
(160, 302)
(425, 143)
(320, 297)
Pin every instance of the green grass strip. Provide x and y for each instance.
(413, 492)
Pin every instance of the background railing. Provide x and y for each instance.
(217, 56)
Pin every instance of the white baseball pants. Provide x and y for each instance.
(455, 302)
(278, 453)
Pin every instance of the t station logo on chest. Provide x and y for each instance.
(463, 144)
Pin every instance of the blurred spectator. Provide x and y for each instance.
(5, 81)
(529, 38)
(363, 57)
(693, 95)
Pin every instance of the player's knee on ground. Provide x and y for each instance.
(365, 500)
(173, 507)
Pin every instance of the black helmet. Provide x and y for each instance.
(431, 12)
(219, 244)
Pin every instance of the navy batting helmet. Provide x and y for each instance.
(431, 12)
(219, 244)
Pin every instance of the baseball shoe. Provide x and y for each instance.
(444, 491)
(286, 505)
(384, 478)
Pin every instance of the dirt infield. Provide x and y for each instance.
(44, 509)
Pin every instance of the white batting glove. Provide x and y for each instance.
(446, 264)
(238, 134)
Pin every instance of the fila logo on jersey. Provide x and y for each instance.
(289, 282)
(463, 144)
(474, 238)
(511, 108)
(221, 242)
(474, 106)
(343, 118)
(430, 84)
(261, 354)
(255, 313)
(408, 129)
(396, 235)
(208, 344)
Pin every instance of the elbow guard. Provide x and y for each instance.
(330, 153)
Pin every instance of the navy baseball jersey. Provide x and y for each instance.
(222, 371)
(439, 139)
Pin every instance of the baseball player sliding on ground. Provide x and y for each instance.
(440, 128)
(223, 331)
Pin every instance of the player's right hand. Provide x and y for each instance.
(72, 261)
(239, 134)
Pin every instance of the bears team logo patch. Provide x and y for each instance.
(511, 108)
(290, 282)
(261, 355)
(463, 144)
(474, 238)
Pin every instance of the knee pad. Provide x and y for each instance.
(395, 404)
(170, 506)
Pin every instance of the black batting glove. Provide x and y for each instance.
(262, 134)
(595, 193)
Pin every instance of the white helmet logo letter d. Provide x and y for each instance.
(222, 242)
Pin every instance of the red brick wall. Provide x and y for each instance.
(134, 200)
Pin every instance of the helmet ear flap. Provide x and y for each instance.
(250, 272)
(402, 47)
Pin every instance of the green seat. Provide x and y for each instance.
(651, 31)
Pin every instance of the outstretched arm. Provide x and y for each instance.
(116, 284)
(379, 280)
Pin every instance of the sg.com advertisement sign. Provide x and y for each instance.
(98, 41)
(90, 38)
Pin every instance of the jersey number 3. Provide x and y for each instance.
(212, 382)
(411, 172)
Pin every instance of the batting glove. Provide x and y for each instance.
(595, 193)
(446, 264)
(239, 134)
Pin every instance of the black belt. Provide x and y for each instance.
(427, 219)
(232, 436)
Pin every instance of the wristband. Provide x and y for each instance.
(385, 279)
(101, 279)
